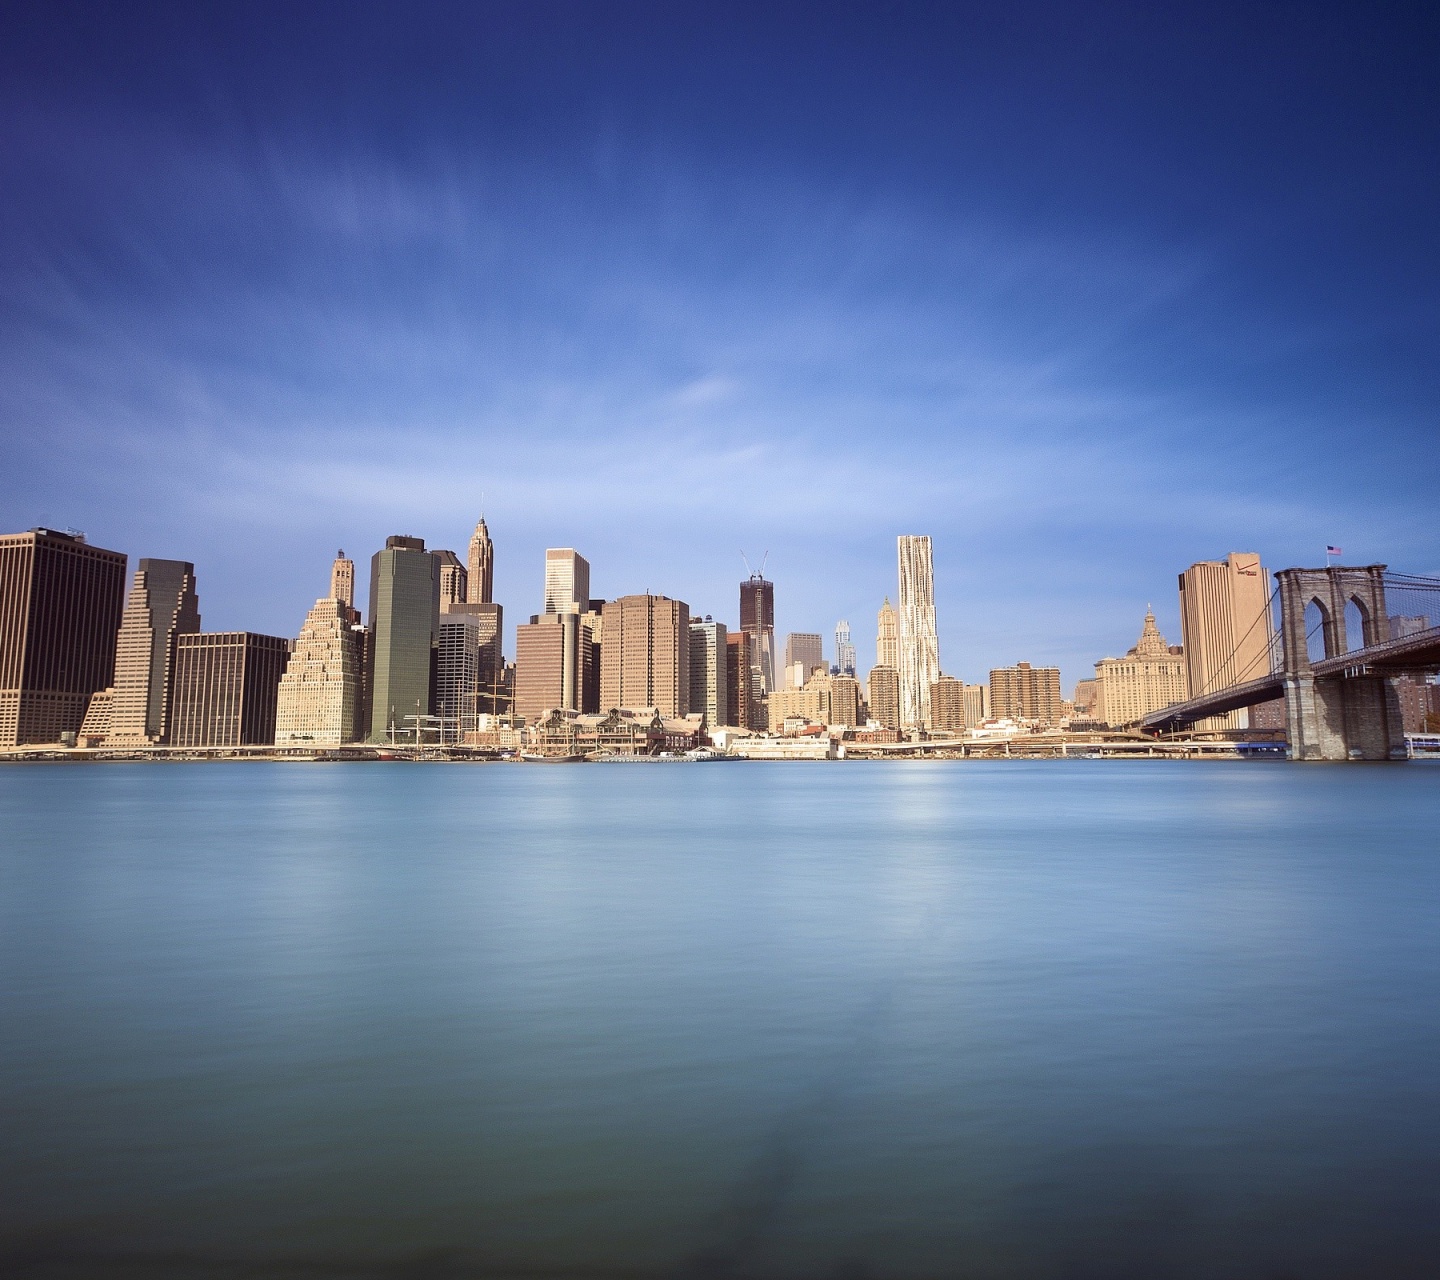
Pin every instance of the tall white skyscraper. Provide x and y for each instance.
(919, 644)
(844, 649)
(567, 581)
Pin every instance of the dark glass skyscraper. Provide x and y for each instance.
(60, 605)
(401, 648)
(757, 620)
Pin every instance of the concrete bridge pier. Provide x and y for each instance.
(1355, 716)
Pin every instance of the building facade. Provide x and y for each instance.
(480, 566)
(887, 637)
(162, 606)
(947, 706)
(741, 710)
(400, 657)
(806, 650)
(1226, 628)
(847, 702)
(60, 607)
(554, 666)
(645, 660)
(757, 620)
(918, 642)
(454, 579)
(883, 687)
(709, 673)
(977, 704)
(567, 581)
(844, 649)
(342, 583)
(1151, 675)
(227, 686)
(1023, 692)
(320, 699)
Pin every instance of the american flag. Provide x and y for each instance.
(1332, 551)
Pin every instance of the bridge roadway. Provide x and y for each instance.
(1417, 652)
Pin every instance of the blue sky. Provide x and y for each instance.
(1085, 292)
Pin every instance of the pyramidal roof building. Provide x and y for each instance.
(321, 693)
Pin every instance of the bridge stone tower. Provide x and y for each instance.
(1347, 715)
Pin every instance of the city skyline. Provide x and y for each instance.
(412, 294)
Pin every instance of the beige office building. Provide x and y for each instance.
(554, 666)
(977, 704)
(567, 581)
(1023, 692)
(342, 582)
(919, 643)
(480, 573)
(162, 606)
(645, 660)
(947, 705)
(887, 637)
(1226, 628)
(1150, 676)
(709, 677)
(320, 696)
(883, 687)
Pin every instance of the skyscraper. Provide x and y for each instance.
(918, 642)
(1225, 627)
(554, 666)
(887, 637)
(757, 620)
(161, 606)
(645, 660)
(740, 700)
(883, 690)
(481, 574)
(567, 581)
(947, 705)
(807, 649)
(342, 582)
(709, 678)
(226, 688)
(1023, 692)
(60, 603)
(844, 649)
(320, 698)
(454, 580)
(404, 631)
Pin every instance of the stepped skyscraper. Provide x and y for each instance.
(919, 644)
(162, 605)
(321, 693)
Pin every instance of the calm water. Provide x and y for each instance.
(1079, 1019)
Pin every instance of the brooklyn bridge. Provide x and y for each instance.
(1344, 635)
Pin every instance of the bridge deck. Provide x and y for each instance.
(1266, 689)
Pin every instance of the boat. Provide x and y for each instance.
(531, 758)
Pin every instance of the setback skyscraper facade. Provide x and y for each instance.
(162, 606)
(887, 637)
(454, 580)
(60, 606)
(757, 620)
(320, 699)
(404, 631)
(554, 666)
(919, 643)
(481, 566)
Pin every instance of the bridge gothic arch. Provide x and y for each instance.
(1351, 717)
